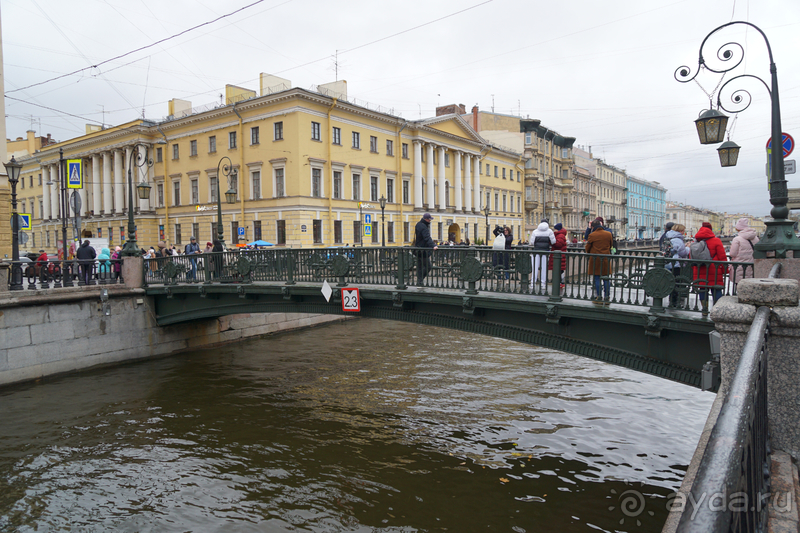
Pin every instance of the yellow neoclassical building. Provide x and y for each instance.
(308, 168)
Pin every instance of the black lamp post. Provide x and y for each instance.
(486, 212)
(230, 195)
(131, 249)
(779, 236)
(382, 200)
(13, 169)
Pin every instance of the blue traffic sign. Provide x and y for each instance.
(241, 231)
(367, 219)
(788, 144)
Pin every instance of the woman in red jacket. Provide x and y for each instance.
(710, 277)
(559, 246)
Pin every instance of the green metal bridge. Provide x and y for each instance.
(467, 289)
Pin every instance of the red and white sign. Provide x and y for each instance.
(351, 301)
(788, 144)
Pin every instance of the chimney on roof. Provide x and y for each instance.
(475, 117)
(451, 109)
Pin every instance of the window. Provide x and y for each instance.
(518, 175)
(356, 186)
(405, 191)
(337, 232)
(280, 189)
(233, 181)
(406, 231)
(256, 184)
(504, 202)
(337, 184)
(439, 227)
(488, 169)
(214, 232)
(177, 234)
(212, 144)
(356, 232)
(316, 182)
(356, 140)
(504, 173)
(195, 192)
(337, 135)
(390, 231)
(564, 153)
(281, 232)
(175, 151)
(196, 231)
(495, 171)
(390, 190)
(192, 148)
(447, 159)
(519, 204)
(405, 150)
(389, 147)
(256, 230)
(232, 139)
(110, 237)
(527, 137)
(375, 238)
(212, 182)
(373, 144)
(40, 180)
(234, 232)
(496, 201)
(315, 134)
(278, 131)
(41, 208)
(317, 229)
(488, 199)
(373, 188)
(176, 190)
(159, 155)
(254, 135)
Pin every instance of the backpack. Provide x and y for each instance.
(699, 250)
(666, 248)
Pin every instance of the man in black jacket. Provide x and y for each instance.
(422, 239)
(192, 249)
(86, 255)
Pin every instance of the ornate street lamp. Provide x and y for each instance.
(728, 153)
(486, 212)
(13, 169)
(779, 236)
(230, 195)
(711, 126)
(382, 200)
(131, 249)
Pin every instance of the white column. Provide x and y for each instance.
(457, 180)
(144, 205)
(45, 193)
(467, 183)
(97, 178)
(476, 183)
(417, 175)
(128, 170)
(119, 183)
(107, 203)
(429, 176)
(441, 180)
(55, 203)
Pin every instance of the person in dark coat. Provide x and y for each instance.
(192, 249)
(667, 227)
(216, 261)
(86, 256)
(559, 246)
(599, 242)
(422, 239)
(710, 276)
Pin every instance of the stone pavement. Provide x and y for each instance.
(784, 494)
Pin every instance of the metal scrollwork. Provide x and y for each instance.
(340, 265)
(171, 271)
(658, 283)
(244, 267)
(522, 264)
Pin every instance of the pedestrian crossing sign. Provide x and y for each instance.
(368, 230)
(75, 174)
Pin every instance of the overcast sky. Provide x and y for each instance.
(601, 72)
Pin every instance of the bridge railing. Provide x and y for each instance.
(730, 491)
(632, 279)
(55, 274)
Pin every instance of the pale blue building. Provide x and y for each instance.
(646, 208)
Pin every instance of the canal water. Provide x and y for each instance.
(364, 426)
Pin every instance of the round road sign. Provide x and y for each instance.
(788, 144)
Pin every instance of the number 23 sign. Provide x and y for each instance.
(350, 300)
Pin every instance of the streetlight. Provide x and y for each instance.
(131, 249)
(13, 169)
(486, 212)
(779, 236)
(230, 194)
(382, 200)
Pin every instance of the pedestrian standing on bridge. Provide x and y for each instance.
(710, 276)
(192, 249)
(542, 238)
(675, 248)
(422, 239)
(599, 242)
(86, 256)
(559, 246)
(742, 248)
(661, 241)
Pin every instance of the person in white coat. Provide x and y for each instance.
(742, 248)
(542, 239)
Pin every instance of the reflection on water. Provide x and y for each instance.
(361, 426)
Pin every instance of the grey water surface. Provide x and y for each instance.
(365, 426)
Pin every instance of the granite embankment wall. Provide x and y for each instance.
(45, 333)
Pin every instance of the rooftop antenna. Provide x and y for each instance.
(492, 103)
(519, 108)
(420, 110)
(336, 64)
(103, 114)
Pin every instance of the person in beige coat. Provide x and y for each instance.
(742, 250)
